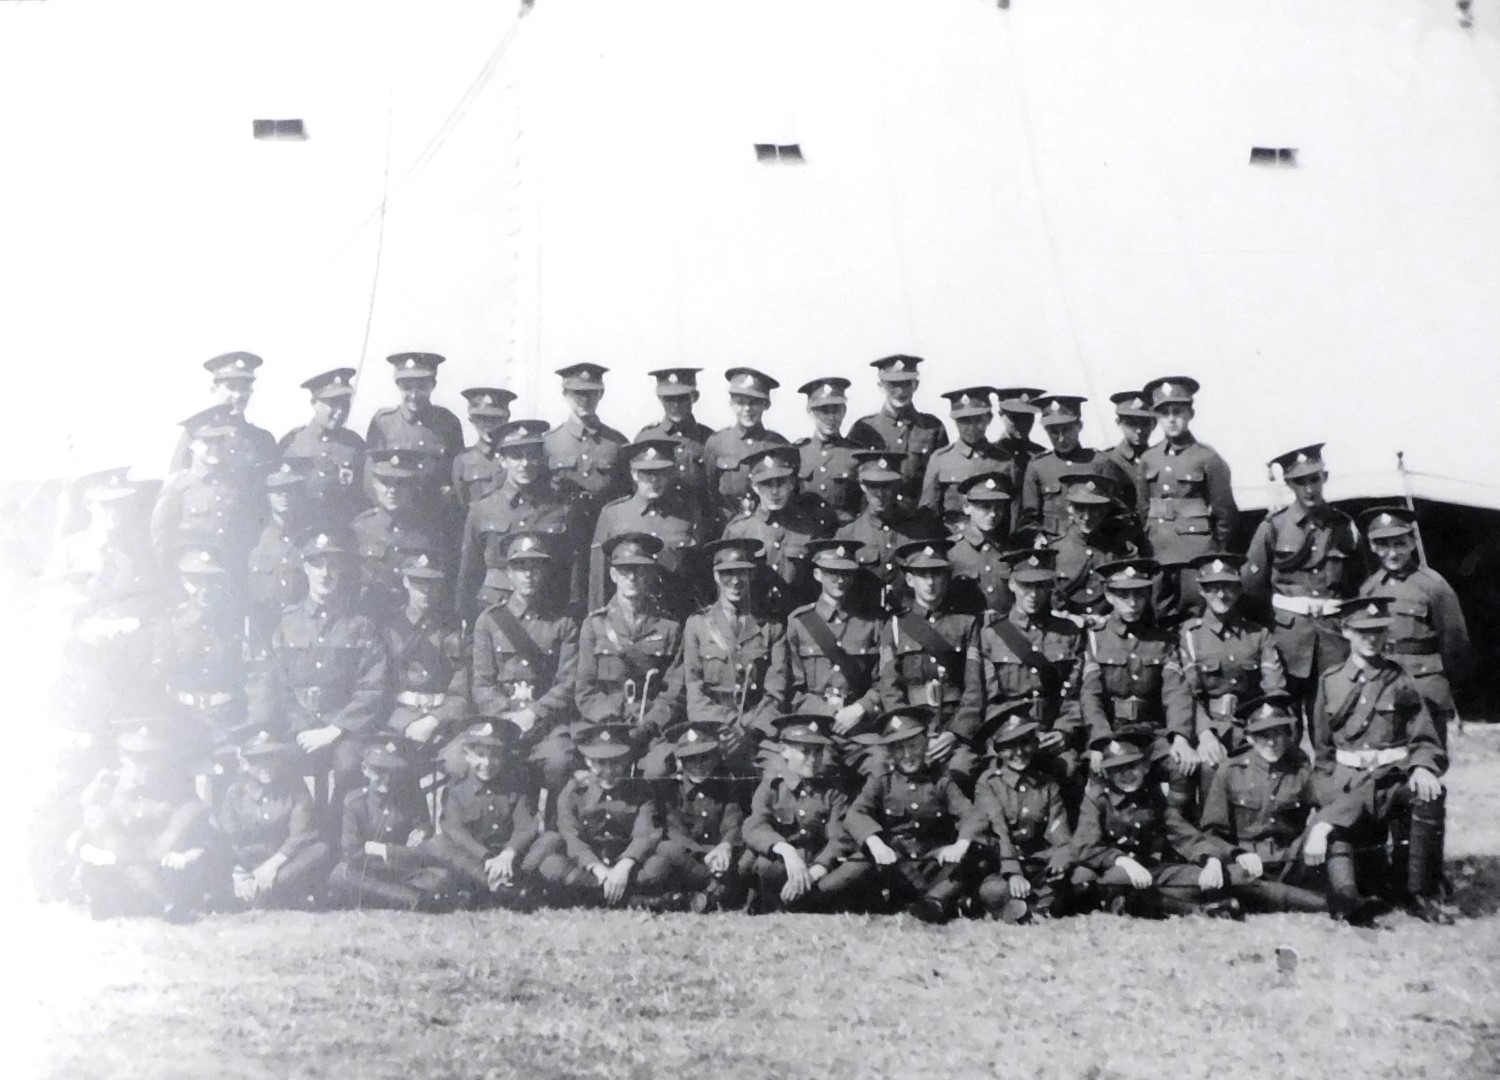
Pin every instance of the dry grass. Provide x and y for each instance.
(631, 995)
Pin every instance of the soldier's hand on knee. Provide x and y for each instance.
(500, 869)
(952, 854)
(600, 872)
(940, 745)
(1184, 757)
(1140, 877)
(317, 738)
(1251, 864)
(244, 885)
(1018, 886)
(422, 729)
(880, 851)
(817, 872)
(1315, 849)
(415, 837)
(375, 849)
(265, 874)
(1211, 877)
(845, 719)
(797, 879)
(1426, 786)
(181, 860)
(616, 881)
(717, 860)
(1210, 749)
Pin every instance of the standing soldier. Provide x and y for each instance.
(479, 469)
(1031, 654)
(734, 659)
(899, 428)
(209, 504)
(1429, 638)
(1017, 416)
(1094, 535)
(883, 526)
(677, 390)
(250, 450)
(630, 654)
(325, 677)
(1379, 752)
(923, 650)
(330, 455)
(1228, 658)
(1185, 500)
(1136, 421)
(424, 651)
(727, 449)
(1304, 560)
(526, 657)
(1044, 502)
(1132, 676)
(827, 466)
(658, 507)
(583, 452)
(785, 520)
(417, 424)
(396, 527)
(275, 577)
(527, 500)
(980, 572)
(973, 453)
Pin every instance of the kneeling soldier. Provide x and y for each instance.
(606, 825)
(489, 817)
(1020, 813)
(703, 816)
(385, 825)
(267, 821)
(796, 823)
(908, 817)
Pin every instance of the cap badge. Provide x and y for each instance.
(1092, 486)
(673, 378)
(884, 464)
(392, 748)
(340, 380)
(692, 735)
(745, 382)
(1034, 561)
(240, 363)
(1129, 572)
(395, 459)
(1301, 459)
(322, 541)
(1116, 748)
(842, 552)
(1218, 566)
(486, 729)
(1373, 609)
(604, 736)
(966, 400)
(927, 551)
(828, 388)
(410, 362)
(1169, 388)
(527, 543)
(990, 484)
(486, 399)
(423, 560)
(651, 454)
(1055, 407)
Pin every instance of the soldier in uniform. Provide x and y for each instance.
(1260, 806)
(527, 500)
(1429, 638)
(826, 463)
(795, 831)
(900, 428)
(330, 455)
(583, 452)
(1094, 535)
(489, 818)
(325, 675)
(1137, 421)
(208, 505)
(1027, 653)
(922, 654)
(1304, 559)
(526, 658)
(1380, 757)
(1136, 848)
(703, 818)
(630, 654)
(785, 520)
(734, 662)
(1020, 814)
(272, 854)
(980, 572)
(383, 860)
(658, 507)
(607, 825)
(1185, 501)
(425, 656)
(972, 454)
(729, 448)
(144, 833)
(479, 469)
(399, 525)
(1044, 503)
(883, 526)
(677, 390)
(275, 567)
(249, 450)
(1228, 658)
(1017, 417)
(1132, 677)
(907, 818)
(417, 424)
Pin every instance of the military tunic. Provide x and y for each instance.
(807, 814)
(1080, 588)
(1024, 816)
(427, 671)
(140, 822)
(1261, 807)
(200, 657)
(1044, 502)
(508, 676)
(1227, 662)
(952, 465)
(915, 814)
(433, 430)
(916, 434)
(1360, 712)
(587, 466)
(1143, 826)
(334, 487)
(257, 821)
(250, 451)
(405, 877)
(692, 474)
(494, 518)
(1429, 638)
(981, 578)
(735, 671)
(477, 471)
(1128, 459)
(729, 484)
(603, 827)
(1132, 675)
(827, 471)
(881, 578)
(1185, 500)
(676, 522)
(994, 673)
(480, 820)
(786, 581)
(617, 653)
(276, 578)
(386, 540)
(213, 511)
(817, 684)
(912, 672)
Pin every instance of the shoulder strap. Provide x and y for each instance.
(1028, 653)
(822, 634)
(934, 644)
(516, 634)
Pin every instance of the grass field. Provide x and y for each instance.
(633, 995)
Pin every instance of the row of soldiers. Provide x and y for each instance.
(873, 586)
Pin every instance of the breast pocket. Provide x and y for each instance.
(717, 668)
(567, 463)
(896, 810)
(1418, 610)
(609, 666)
(1193, 524)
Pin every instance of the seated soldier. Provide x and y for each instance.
(1380, 759)
(385, 823)
(425, 658)
(703, 816)
(907, 817)
(1260, 808)
(489, 818)
(606, 825)
(273, 855)
(1135, 849)
(795, 830)
(1019, 813)
(145, 833)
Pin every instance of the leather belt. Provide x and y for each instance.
(1132, 709)
(1305, 605)
(418, 700)
(1224, 706)
(1371, 759)
(209, 699)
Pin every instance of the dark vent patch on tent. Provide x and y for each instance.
(772, 152)
(279, 129)
(1273, 155)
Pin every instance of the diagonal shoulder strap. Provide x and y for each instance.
(516, 634)
(822, 634)
(933, 644)
(1025, 651)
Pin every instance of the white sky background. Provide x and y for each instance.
(1056, 193)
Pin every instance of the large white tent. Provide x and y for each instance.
(1049, 191)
